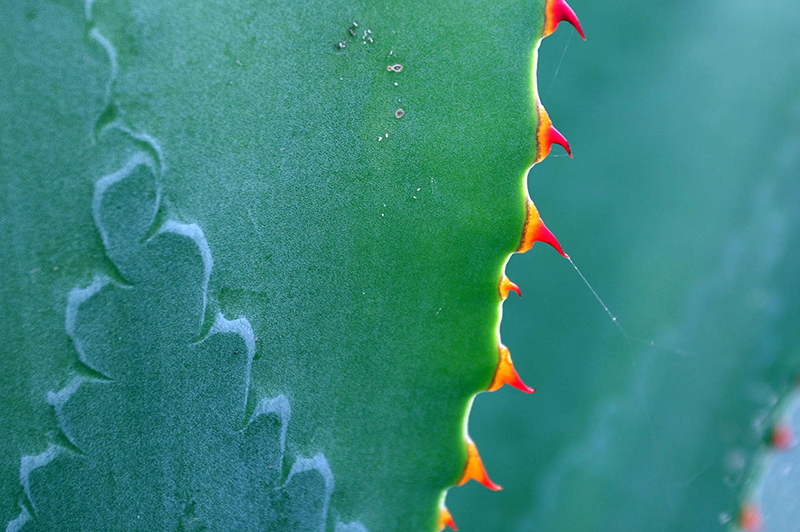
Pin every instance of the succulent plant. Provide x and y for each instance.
(256, 257)
(250, 211)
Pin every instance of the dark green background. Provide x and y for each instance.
(681, 207)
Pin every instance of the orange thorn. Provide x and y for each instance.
(750, 518)
(506, 286)
(446, 519)
(782, 436)
(506, 374)
(557, 10)
(547, 135)
(536, 231)
(474, 469)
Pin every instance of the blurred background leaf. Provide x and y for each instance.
(682, 208)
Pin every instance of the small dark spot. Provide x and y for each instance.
(236, 352)
(397, 67)
(399, 113)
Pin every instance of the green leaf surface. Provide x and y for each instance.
(209, 207)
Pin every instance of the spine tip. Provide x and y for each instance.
(507, 374)
(536, 231)
(547, 135)
(556, 137)
(506, 286)
(555, 12)
(446, 519)
(474, 470)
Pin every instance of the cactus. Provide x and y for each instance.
(257, 257)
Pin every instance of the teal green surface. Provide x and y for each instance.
(362, 250)
(682, 208)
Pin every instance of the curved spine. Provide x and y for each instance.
(446, 519)
(557, 11)
(536, 231)
(475, 470)
(506, 286)
(547, 135)
(507, 374)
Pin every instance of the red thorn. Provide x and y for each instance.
(446, 519)
(507, 374)
(536, 231)
(544, 235)
(555, 12)
(557, 138)
(547, 135)
(474, 469)
(506, 286)
(782, 436)
(750, 518)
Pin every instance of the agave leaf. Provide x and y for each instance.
(225, 217)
